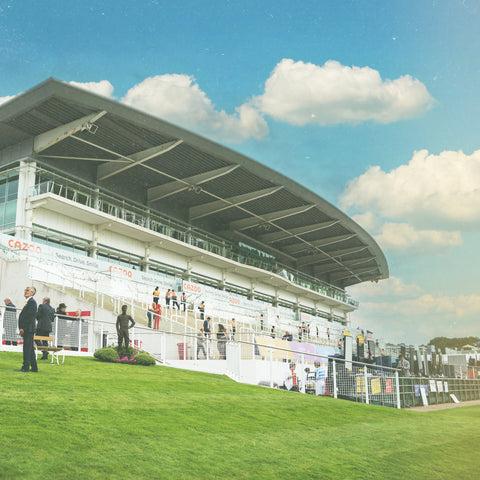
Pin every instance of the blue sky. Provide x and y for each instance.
(371, 104)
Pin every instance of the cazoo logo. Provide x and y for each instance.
(24, 246)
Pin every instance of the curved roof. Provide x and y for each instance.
(188, 177)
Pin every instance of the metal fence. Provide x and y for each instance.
(258, 360)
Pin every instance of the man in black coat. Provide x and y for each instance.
(26, 325)
(45, 317)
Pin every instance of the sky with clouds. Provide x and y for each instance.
(373, 105)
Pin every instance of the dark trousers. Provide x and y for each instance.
(29, 358)
(44, 343)
(201, 347)
(123, 337)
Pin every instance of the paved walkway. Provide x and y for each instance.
(444, 406)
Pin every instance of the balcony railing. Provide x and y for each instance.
(51, 183)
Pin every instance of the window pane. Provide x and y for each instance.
(10, 213)
(12, 189)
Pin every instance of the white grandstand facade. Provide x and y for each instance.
(90, 187)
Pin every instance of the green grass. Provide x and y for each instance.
(89, 420)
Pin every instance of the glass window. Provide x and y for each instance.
(3, 188)
(10, 213)
(12, 189)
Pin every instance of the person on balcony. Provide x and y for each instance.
(173, 297)
(156, 295)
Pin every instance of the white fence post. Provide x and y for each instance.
(399, 405)
(334, 372)
(367, 399)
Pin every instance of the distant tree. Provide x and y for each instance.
(444, 342)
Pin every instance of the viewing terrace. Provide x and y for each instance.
(51, 188)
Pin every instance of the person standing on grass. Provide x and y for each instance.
(124, 323)
(45, 317)
(26, 325)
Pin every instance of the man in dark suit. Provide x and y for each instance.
(45, 317)
(26, 325)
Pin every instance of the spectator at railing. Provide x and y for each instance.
(222, 342)
(287, 336)
(158, 314)
(201, 308)
(150, 314)
(156, 295)
(183, 301)
(45, 317)
(173, 297)
(168, 294)
(272, 332)
(201, 343)
(207, 327)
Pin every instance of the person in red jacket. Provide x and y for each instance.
(158, 314)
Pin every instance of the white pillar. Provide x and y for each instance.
(24, 214)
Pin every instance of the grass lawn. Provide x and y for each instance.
(88, 419)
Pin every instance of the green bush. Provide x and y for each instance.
(143, 358)
(106, 354)
(125, 351)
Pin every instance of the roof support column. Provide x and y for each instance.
(146, 258)
(94, 245)
(24, 213)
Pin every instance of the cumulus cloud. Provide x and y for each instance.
(104, 87)
(404, 238)
(179, 99)
(304, 93)
(419, 319)
(431, 190)
(6, 99)
(390, 287)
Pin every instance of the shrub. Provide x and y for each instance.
(106, 354)
(125, 351)
(143, 358)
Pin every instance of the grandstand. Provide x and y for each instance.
(100, 203)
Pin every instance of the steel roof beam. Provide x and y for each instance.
(282, 235)
(47, 139)
(251, 222)
(323, 242)
(161, 191)
(206, 209)
(109, 169)
(331, 267)
(318, 257)
(343, 275)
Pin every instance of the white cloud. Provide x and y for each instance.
(179, 99)
(104, 87)
(417, 320)
(6, 99)
(430, 191)
(390, 287)
(368, 220)
(402, 237)
(303, 93)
